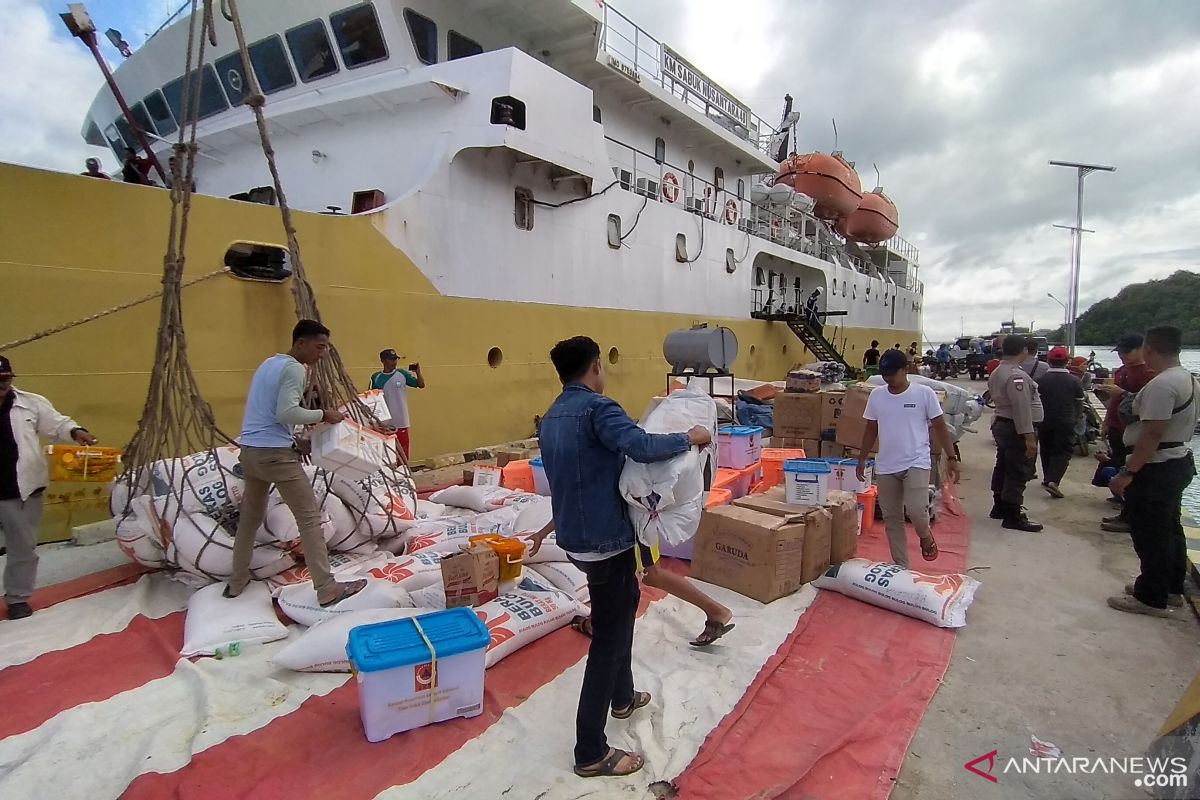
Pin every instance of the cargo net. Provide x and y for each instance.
(178, 501)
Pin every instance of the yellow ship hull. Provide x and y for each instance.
(71, 247)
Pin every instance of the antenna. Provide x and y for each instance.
(835, 135)
(878, 181)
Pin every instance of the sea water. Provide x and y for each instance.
(1190, 359)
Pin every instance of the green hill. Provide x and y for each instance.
(1171, 301)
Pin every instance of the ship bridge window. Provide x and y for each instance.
(741, 189)
(94, 136)
(660, 150)
(358, 36)
(156, 107)
(142, 118)
(596, 115)
(270, 66)
(114, 140)
(719, 178)
(212, 101)
(462, 47)
(311, 51)
(261, 262)
(126, 132)
(424, 36)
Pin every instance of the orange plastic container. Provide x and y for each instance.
(518, 475)
(772, 465)
(718, 497)
(75, 463)
(737, 481)
(511, 553)
(866, 508)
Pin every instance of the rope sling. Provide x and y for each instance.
(180, 491)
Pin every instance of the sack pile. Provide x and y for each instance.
(184, 514)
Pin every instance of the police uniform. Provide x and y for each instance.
(1018, 407)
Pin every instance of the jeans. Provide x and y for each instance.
(904, 490)
(608, 675)
(264, 466)
(1013, 468)
(1056, 439)
(1153, 505)
(20, 520)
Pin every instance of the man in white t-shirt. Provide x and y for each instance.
(1157, 471)
(900, 416)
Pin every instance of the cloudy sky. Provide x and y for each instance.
(959, 102)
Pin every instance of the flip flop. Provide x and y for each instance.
(582, 625)
(712, 631)
(608, 767)
(347, 591)
(929, 549)
(228, 593)
(640, 700)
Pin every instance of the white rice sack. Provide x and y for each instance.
(547, 553)
(214, 621)
(445, 535)
(280, 528)
(339, 564)
(666, 499)
(383, 505)
(432, 596)
(940, 600)
(200, 545)
(322, 648)
(524, 615)
(534, 515)
(500, 522)
(139, 536)
(410, 572)
(477, 498)
(299, 602)
(209, 482)
(566, 577)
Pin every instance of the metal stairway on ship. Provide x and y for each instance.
(806, 332)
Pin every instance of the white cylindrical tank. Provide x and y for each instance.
(701, 350)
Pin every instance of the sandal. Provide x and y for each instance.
(582, 625)
(713, 630)
(608, 766)
(929, 549)
(346, 591)
(640, 700)
(229, 594)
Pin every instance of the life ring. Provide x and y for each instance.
(670, 188)
(731, 212)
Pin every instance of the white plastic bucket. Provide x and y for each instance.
(806, 482)
(540, 483)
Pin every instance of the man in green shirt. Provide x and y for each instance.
(395, 383)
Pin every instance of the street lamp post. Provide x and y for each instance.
(1064, 308)
(1077, 231)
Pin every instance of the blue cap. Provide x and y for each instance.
(892, 361)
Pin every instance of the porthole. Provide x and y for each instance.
(614, 355)
(495, 357)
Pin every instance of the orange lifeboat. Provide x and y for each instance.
(827, 179)
(874, 221)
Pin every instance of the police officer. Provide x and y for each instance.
(1014, 393)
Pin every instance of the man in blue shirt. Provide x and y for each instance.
(269, 456)
(585, 438)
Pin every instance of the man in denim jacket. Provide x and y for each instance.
(585, 438)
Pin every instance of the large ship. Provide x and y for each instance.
(474, 181)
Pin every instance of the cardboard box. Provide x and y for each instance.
(762, 556)
(831, 450)
(831, 409)
(797, 416)
(471, 576)
(843, 537)
(851, 425)
(819, 527)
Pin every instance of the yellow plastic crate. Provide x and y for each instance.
(78, 463)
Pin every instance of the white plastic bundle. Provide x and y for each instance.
(477, 498)
(666, 499)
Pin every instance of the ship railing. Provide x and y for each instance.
(642, 173)
(623, 40)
